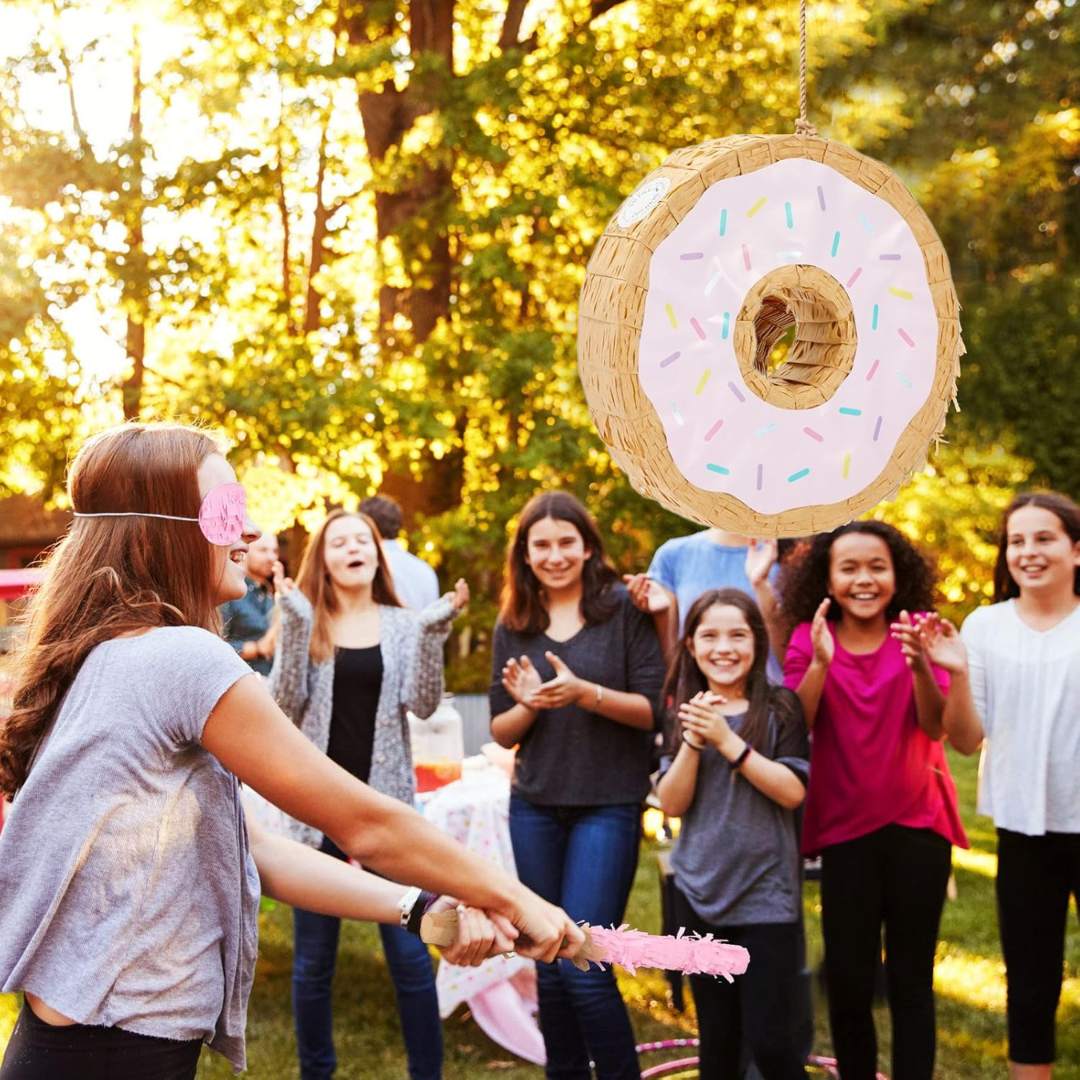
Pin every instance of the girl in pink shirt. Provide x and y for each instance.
(881, 805)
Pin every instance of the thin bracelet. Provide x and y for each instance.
(599, 696)
(740, 761)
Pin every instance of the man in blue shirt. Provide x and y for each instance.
(247, 620)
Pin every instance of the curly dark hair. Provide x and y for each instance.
(804, 581)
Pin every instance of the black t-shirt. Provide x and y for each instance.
(572, 756)
(357, 681)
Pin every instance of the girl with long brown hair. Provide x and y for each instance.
(736, 771)
(351, 662)
(129, 880)
(576, 670)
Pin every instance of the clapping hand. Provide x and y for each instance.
(821, 638)
(646, 594)
(942, 643)
(282, 584)
(910, 635)
(760, 558)
(701, 717)
(459, 598)
(521, 681)
(564, 689)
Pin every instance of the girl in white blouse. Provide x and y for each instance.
(1016, 691)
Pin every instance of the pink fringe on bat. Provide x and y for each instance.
(688, 953)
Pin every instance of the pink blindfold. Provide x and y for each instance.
(221, 515)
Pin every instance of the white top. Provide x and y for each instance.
(1026, 687)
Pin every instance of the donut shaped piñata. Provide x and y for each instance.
(707, 265)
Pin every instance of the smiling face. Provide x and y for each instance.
(1041, 557)
(227, 562)
(556, 553)
(351, 553)
(862, 579)
(722, 646)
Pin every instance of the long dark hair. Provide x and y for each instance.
(314, 581)
(685, 679)
(524, 606)
(111, 576)
(1063, 508)
(804, 581)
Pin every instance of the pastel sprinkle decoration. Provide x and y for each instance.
(906, 337)
(890, 257)
(904, 379)
(713, 282)
(736, 391)
(815, 435)
(726, 326)
(670, 359)
(873, 370)
(789, 255)
(671, 316)
(902, 293)
(787, 214)
(697, 329)
(703, 380)
(877, 427)
(756, 207)
(864, 221)
(835, 244)
(847, 465)
(713, 430)
(718, 469)
(798, 475)
(821, 197)
(723, 222)
(764, 430)
(678, 415)
(746, 256)
(691, 256)
(854, 277)
(761, 468)
(845, 411)
(874, 320)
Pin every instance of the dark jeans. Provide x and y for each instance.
(896, 876)
(314, 958)
(583, 859)
(1035, 876)
(761, 1008)
(40, 1051)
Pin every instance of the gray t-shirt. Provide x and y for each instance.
(128, 895)
(737, 856)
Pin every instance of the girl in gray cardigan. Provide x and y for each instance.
(350, 663)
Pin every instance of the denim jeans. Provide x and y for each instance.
(583, 859)
(314, 957)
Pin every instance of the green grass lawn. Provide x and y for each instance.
(969, 977)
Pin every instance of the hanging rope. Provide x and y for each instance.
(802, 125)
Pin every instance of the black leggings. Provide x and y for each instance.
(896, 876)
(1035, 876)
(40, 1051)
(761, 1006)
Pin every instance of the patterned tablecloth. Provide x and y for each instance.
(501, 992)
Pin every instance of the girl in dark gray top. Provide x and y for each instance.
(129, 878)
(738, 773)
(576, 671)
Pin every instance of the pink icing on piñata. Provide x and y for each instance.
(688, 953)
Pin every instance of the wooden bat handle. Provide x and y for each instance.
(441, 930)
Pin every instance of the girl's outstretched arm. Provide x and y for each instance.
(929, 699)
(305, 878)
(254, 739)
